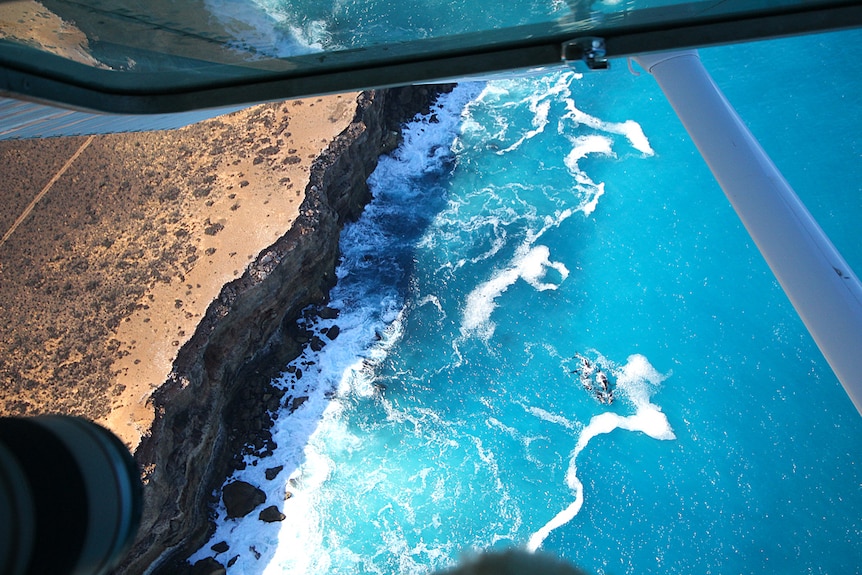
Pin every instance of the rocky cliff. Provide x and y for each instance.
(215, 401)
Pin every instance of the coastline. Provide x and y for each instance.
(114, 246)
(215, 403)
(134, 294)
(249, 219)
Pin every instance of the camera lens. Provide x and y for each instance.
(70, 496)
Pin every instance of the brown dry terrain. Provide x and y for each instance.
(112, 247)
(30, 23)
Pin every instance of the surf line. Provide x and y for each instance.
(648, 419)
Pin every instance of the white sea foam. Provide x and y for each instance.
(582, 146)
(572, 123)
(630, 129)
(545, 415)
(539, 103)
(540, 120)
(588, 190)
(432, 300)
(261, 29)
(530, 263)
(636, 381)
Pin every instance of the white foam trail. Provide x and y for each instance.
(543, 101)
(583, 146)
(530, 264)
(434, 301)
(540, 120)
(589, 205)
(545, 415)
(635, 380)
(630, 129)
(539, 103)
(601, 144)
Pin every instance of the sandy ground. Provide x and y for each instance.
(113, 246)
(28, 22)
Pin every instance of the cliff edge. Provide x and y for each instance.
(128, 257)
(215, 401)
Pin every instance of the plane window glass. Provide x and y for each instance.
(162, 55)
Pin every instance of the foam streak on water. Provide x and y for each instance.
(635, 380)
(529, 264)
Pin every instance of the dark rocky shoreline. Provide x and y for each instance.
(216, 401)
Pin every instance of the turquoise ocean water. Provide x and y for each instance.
(531, 219)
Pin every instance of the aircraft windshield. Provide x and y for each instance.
(164, 55)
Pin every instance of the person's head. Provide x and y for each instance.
(513, 562)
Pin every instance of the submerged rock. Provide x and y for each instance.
(297, 402)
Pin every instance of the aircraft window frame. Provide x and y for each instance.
(29, 73)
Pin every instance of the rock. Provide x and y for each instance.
(272, 403)
(271, 514)
(240, 498)
(317, 343)
(328, 313)
(220, 547)
(333, 332)
(297, 401)
(273, 472)
(390, 139)
(208, 566)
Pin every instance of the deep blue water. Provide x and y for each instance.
(542, 217)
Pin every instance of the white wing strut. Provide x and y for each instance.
(821, 286)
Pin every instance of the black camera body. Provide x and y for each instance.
(70, 497)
